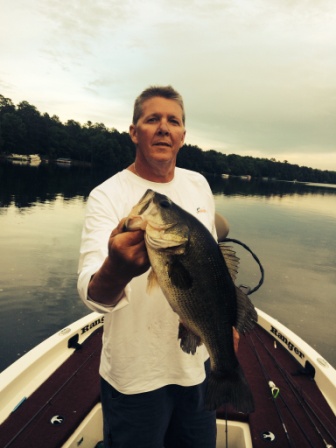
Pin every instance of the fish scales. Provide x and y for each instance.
(189, 266)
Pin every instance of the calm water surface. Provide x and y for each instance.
(290, 227)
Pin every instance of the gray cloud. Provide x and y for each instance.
(257, 76)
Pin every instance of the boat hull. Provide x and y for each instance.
(51, 394)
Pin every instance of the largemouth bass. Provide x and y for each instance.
(196, 275)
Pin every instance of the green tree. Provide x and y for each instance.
(6, 105)
(78, 143)
(24, 130)
(33, 124)
(191, 157)
(13, 133)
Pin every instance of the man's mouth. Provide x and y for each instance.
(162, 144)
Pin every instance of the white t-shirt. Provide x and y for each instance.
(141, 351)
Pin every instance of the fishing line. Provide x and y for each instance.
(290, 411)
(261, 281)
(299, 394)
(301, 399)
(268, 380)
(226, 428)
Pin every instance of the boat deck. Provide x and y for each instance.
(70, 392)
(294, 418)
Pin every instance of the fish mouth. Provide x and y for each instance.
(134, 222)
(139, 222)
(160, 244)
(158, 239)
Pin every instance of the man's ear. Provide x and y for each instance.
(183, 139)
(133, 133)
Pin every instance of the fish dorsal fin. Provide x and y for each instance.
(231, 259)
(152, 281)
(246, 313)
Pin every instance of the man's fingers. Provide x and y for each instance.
(120, 228)
(236, 338)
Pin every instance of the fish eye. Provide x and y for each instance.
(164, 203)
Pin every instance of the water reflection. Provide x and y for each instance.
(38, 274)
(291, 227)
(25, 186)
(267, 188)
(294, 236)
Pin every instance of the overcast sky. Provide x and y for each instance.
(258, 77)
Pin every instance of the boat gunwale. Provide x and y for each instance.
(325, 374)
(22, 378)
(51, 350)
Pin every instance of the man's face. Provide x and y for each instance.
(159, 132)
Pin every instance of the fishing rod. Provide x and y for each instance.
(276, 392)
(301, 400)
(274, 395)
(273, 387)
(226, 428)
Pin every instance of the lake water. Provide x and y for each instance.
(291, 227)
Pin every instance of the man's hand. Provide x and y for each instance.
(127, 258)
(127, 252)
(236, 338)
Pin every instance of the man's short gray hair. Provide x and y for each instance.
(162, 91)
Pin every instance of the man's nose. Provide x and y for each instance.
(163, 128)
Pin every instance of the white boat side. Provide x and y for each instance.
(25, 375)
(325, 374)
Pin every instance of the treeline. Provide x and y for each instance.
(24, 130)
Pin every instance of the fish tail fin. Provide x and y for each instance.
(230, 387)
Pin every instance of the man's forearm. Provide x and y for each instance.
(106, 286)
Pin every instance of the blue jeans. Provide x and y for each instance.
(170, 417)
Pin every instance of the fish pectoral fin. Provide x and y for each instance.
(179, 275)
(189, 341)
(152, 281)
(246, 312)
(231, 259)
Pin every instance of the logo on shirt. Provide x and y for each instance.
(201, 210)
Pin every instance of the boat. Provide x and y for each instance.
(63, 161)
(50, 396)
(31, 159)
(18, 158)
(34, 159)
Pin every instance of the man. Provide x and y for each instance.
(152, 392)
